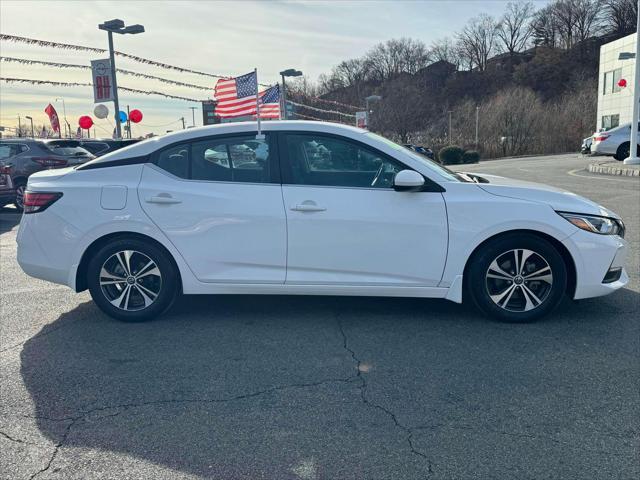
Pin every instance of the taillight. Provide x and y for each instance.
(5, 169)
(50, 161)
(600, 138)
(38, 201)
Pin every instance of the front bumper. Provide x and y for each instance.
(594, 256)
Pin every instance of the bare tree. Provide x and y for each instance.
(545, 29)
(396, 56)
(444, 50)
(588, 14)
(514, 29)
(620, 15)
(478, 40)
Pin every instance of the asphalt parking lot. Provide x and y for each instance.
(324, 387)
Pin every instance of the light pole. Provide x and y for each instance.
(193, 115)
(477, 123)
(633, 158)
(31, 120)
(290, 72)
(64, 114)
(111, 27)
(368, 100)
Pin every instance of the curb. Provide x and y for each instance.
(617, 168)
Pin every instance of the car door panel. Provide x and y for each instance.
(365, 236)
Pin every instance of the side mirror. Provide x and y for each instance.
(408, 181)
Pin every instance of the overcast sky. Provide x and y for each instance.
(211, 36)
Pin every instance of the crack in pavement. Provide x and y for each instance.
(73, 420)
(363, 388)
(16, 440)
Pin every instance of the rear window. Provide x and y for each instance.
(67, 149)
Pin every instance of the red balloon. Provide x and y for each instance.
(622, 83)
(135, 116)
(85, 122)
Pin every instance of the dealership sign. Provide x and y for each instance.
(102, 80)
(361, 119)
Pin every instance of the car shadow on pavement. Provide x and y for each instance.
(255, 386)
(9, 218)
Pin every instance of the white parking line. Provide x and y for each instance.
(596, 177)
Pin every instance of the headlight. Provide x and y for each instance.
(595, 224)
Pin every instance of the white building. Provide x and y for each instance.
(615, 102)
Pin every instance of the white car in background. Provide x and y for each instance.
(614, 143)
(186, 213)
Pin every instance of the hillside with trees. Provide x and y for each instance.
(531, 76)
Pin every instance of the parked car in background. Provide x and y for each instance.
(316, 209)
(614, 143)
(99, 146)
(24, 156)
(427, 152)
(585, 149)
(7, 192)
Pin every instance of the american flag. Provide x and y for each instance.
(237, 98)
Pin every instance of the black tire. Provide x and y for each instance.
(133, 308)
(20, 186)
(624, 150)
(479, 286)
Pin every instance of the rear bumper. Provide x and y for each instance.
(47, 257)
(594, 255)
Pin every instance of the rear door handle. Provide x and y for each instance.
(164, 199)
(307, 207)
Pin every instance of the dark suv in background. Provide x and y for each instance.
(99, 146)
(20, 157)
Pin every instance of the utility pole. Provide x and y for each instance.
(193, 116)
(19, 127)
(477, 123)
(67, 127)
(31, 120)
(183, 126)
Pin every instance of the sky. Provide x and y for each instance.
(220, 37)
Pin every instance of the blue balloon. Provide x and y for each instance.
(123, 116)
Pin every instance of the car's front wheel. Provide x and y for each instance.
(132, 280)
(517, 278)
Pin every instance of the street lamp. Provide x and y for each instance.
(193, 116)
(31, 120)
(64, 113)
(633, 158)
(111, 27)
(290, 72)
(369, 99)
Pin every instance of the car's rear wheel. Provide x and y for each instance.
(623, 151)
(21, 186)
(132, 280)
(517, 278)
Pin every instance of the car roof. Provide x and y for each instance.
(148, 146)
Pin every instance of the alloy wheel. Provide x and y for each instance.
(519, 280)
(20, 196)
(130, 280)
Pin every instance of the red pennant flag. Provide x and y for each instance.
(53, 118)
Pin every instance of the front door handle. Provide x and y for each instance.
(163, 198)
(307, 206)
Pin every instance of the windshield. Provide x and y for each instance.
(430, 164)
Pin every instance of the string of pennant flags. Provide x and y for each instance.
(33, 81)
(26, 61)
(269, 98)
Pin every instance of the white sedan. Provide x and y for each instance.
(321, 209)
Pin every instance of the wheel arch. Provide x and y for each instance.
(562, 250)
(81, 272)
